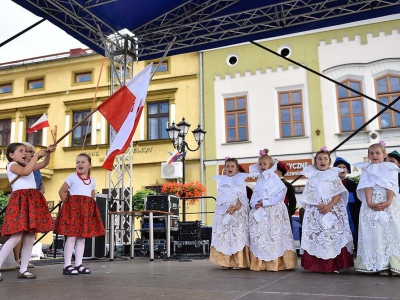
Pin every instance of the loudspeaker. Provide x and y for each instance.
(96, 247)
(169, 203)
(189, 231)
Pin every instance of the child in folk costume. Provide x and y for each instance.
(79, 217)
(271, 240)
(327, 243)
(230, 230)
(379, 228)
(27, 212)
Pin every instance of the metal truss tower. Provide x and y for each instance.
(121, 48)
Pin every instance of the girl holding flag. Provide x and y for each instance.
(27, 212)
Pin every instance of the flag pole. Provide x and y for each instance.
(59, 140)
(75, 126)
(94, 100)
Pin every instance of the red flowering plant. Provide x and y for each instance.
(189, 189)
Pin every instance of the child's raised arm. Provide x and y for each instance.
(29, 167)
(46, 160)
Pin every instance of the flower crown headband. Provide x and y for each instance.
(382, 143)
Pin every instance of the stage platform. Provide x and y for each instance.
(196, 279)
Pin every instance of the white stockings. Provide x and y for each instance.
(26, 251)
(79, 243)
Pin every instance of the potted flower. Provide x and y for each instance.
(173, 188)
(189, 189)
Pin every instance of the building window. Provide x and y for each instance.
(350, 106)
(83, 77)
(35, 84)
(388, 89)
(5, 88)
(236, 119)
(157, 118)
(83, 130)
(34, 138)
(291, 113)
(5, 130)
(162, 68)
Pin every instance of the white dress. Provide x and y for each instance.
(324, 235)
(270, 232)
(379, 231)
(230, 233)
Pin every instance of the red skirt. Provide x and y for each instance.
(27, 211)
(79, 217)
(312, 263)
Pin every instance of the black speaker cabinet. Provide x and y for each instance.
(169, 203)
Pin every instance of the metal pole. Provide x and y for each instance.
(111, 240)
(168, 227)
(132, 234)
(22, 32)
(151, 236)
(183, 176)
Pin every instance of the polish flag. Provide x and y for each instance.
(39, 124)
(117, 107)
(124, 118)
(171, 159)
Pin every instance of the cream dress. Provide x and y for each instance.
(230, 233)
(271, 240)
(379, 231)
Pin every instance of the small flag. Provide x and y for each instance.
(39, 124)
(171, 159)
(180, 156)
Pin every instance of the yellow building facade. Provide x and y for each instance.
(67, 87)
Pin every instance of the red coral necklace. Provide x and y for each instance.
(84, 180)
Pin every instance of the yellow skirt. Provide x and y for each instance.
(285, 262)
(240, 259)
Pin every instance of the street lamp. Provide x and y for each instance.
(177, 134)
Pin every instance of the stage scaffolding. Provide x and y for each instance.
(121, 49)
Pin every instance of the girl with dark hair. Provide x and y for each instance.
(230, 230)
(79, 217)
(326, 243)
(27, 212)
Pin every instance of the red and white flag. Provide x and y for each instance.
(39, 124)
(123, 113)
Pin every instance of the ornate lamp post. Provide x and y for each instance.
(177, 134)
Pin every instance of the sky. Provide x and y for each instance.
(43, 39)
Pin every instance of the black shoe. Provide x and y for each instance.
(26, 276)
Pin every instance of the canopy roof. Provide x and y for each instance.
(199, 24)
